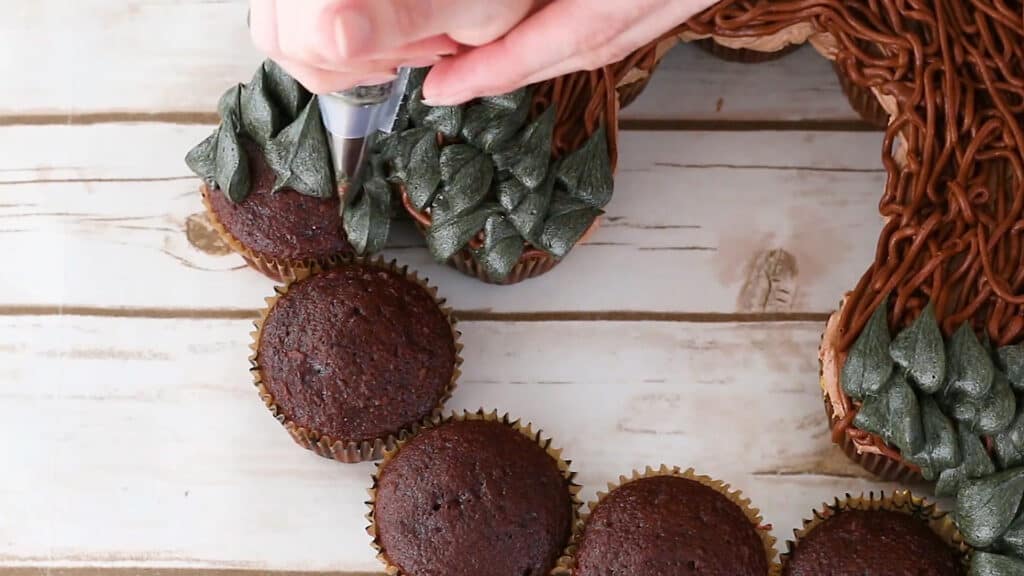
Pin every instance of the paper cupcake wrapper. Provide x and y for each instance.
(867, 450)
(273, 268)
(567, 563)
(901, 501)
(340, 449)
(492, 416)
(862, 100)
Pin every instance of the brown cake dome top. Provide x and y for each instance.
(356, 353)
(669, 524)
(471, 496)
(858, 542)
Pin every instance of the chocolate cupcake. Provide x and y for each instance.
(269, 188)
(473, 494)
(671, 522)
(355, 357)
(894, 536)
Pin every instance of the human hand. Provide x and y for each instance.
(488, 46)
(330, 45)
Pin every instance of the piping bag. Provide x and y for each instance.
(351, 118)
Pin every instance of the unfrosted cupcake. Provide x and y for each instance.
(474, 494)
(670, 522)
(355, 357)
(898, 536)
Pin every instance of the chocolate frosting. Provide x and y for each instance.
(669, 525)
(357, 353)
(860, 543)
(472, 497)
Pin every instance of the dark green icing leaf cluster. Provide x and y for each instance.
(485, 167)
(949, 406)
(277, 114)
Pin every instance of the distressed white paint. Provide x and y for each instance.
(155, 56)
(143, 442)
(692, 214)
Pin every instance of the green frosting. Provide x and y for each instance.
(986, 507)
(935, 401)
(1011, 360)
(869, 365)
(920, 352)
(493, 173)
(987, 564)
(283, 120)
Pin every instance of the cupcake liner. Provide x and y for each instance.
(275, 269)
(567, 563)
(867, 450)
(339, 449)
(862, 100)
(492, 416)
(901, 501)
(743, 55)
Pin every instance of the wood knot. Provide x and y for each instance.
(770, 284)
(201, 234)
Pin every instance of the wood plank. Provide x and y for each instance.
(151, 428)
(135, 58)
(785, 226)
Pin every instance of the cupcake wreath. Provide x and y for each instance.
(922, 367)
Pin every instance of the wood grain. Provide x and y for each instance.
(143, 443)
(162, 60)
(701, 223)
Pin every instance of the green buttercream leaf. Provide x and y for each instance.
(1012, 360)
(423, 173)
(493, 121)
(367, 219)
(202, 159)
(567, 221)
(920, 351)
(510, 193)
(1009, 444)
(894, 414)
(996, 410)
(230, 105)
(530, 154)
(974, 463)
(868, 365)
(444, 119)
(986, 507)
(941, 446)
(416, 78)
(300, 155)
(529, 215)
(989, 564)
(587, 172)
(261, 119)
(466, 174)
(970, 369)
(397, 148)
(232, 171)
(450, 232)
(1013, 539)
(289, 96)
(502, 247)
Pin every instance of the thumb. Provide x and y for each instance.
(366, 27)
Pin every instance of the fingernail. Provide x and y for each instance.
(353, 33)
(420, 63)
(447, 99)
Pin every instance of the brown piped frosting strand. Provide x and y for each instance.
(953, 213)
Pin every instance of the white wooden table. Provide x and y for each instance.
(133, 440)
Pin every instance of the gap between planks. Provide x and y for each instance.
(462, 315)
(164, 572)
(631, 124)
